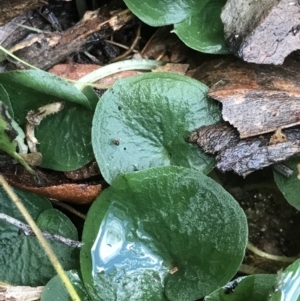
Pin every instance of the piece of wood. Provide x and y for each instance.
(256, 99)
(262, 32)
(12, 8)
(47, 49)
(246, 155)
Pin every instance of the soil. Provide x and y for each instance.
(273, 222)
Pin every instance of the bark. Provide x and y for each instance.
(247, 155)
(262, 32)
(256, 99)
(47, 49)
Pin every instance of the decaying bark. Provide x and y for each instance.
(46, 49)
(256, 99)
(246, 155)
(262, 32)
(12, 8)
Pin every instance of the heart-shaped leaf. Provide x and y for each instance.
(250, 288)
(204, 31)
(290, 186)
(143, 121)
(167, 233)
(22, 260)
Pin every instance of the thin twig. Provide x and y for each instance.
(127, 52)
(29, 232)
(45, 245)
(68, 207)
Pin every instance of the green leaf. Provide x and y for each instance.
(11, 136)
(290, 186)
(56, 291)
(148, 224)
(250, 288)
(164, 12)
(22, 260)
(31, 89)
(143, 121)
(65, 138)
(204, 31)
(287, 287)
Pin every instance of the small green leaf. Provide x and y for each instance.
(249, 288)
(167, 233)
(164, 12)
(56, 291)
(287, 287)
(22, 260)
(204, 31)
(143, 121)
(11, 136)
(290, 186)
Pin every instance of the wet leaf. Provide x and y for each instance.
(204, 31)
(22, 260)
(56, 291)
(164, 12)
(167, 233)
(250, 288)
(290, 187)
(143, 121)
(287, 285)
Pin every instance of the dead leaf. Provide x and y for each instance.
(20, 293)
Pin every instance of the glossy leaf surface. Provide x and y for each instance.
(164, 12)
(290, 187)
(287, 287)
(143, 121)
(250, 288)
(204, 30)
(167, 233)
(22, 260)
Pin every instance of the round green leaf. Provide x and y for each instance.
(65, 138)
(167, 233)
(22, 260)
(290, 186)
(164, 12)
(204, 31)
(143, 121)
(56, 291)
(287, 286)
(250, 288)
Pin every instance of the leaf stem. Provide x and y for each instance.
(113, 68)
(263, 254)
(51, 255)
